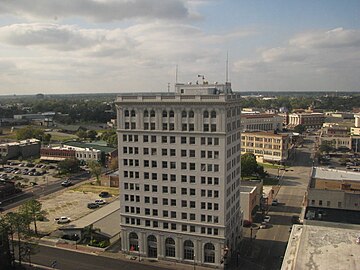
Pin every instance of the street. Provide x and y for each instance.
(269, 244)
(38, 191)
(70, 260)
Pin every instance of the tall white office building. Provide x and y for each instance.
(179, 168)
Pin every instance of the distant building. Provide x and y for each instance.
(25, 149)
(330, 188)
(64, 152)
(309, 120)
(261, 122)
(266, 146)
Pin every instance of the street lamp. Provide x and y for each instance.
(76, 237)
(139, 252)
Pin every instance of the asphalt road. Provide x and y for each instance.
(293, 184)
(38, 191)
(69, 260)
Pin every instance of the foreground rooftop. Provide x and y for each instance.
(323, 248)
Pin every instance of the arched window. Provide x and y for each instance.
(209, 253)
(191, 114)
(206, 114)
(132, 113)
(133, 242)
(164, 113)
(126, 113)
(213, 114)
(152, 246)
(171, 114)
(188, 250)
(146, 113)
(152, 113)
(183, 114)
(169, 247)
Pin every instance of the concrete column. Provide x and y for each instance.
(180, 248)
(161, 246)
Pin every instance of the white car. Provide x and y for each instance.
(62, 220)
(267, 219)
(100, 201)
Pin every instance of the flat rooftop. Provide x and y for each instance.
(323, 248)
(332, 174)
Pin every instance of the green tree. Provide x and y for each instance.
(29, 132)
(5, 256)
(69, 165)
(248, 164)
(82, 134)
(47, 138)
(326, 147)
(91, 134)
(95, 169)
(33, 210)
(300, 129)
(18, 225)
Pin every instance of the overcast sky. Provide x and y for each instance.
(89, 46)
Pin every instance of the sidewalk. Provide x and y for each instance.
(121, 256)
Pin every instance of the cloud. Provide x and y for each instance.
(64, 55)
(312, 60)
(96, 10)
(335, 38)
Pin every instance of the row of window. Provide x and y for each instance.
(171, 126)
(166, 177)
(172, 202)
(171, 114)
(171, 139)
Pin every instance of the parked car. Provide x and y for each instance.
(62, 220)
(267, 219)
(104, 194)
(295, 220)
(92, 205)
(100, 201)
(263, 225)
(66, 183)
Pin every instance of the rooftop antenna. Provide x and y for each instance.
(227, 67)
(176, 74)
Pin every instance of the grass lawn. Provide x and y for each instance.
(87, 187)
(6, 134)
(272, 166)
(60, 136)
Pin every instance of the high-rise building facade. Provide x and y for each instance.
(179, 169)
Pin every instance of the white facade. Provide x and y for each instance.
(179, 166)
(309, 120)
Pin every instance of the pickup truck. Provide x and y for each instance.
(62, 220)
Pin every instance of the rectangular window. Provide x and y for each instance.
(152, 126)
(184, 127)
(192, 140)
(183, 153)
(183, 165)
(172, 152)
(164, 139)
(206, 127)
(192, 153)
(191, 127)
(172, 139)
(164, 152)
(145, 138)
(183, 140)
(153, 139)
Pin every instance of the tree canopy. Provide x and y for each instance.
(69, 165)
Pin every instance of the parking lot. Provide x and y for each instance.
(28, 174)
(69, 202)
